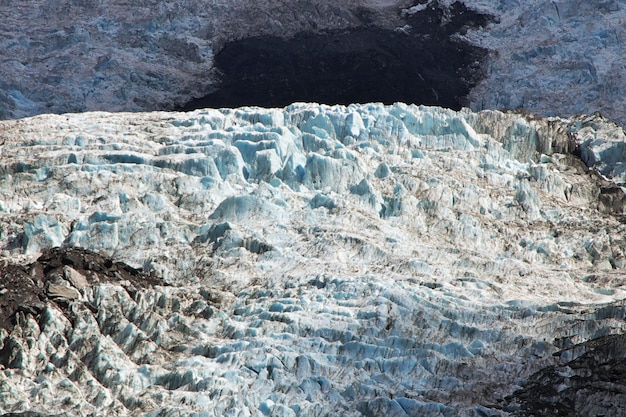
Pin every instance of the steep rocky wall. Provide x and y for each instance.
(547, 57)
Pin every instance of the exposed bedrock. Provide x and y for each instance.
(588, 380)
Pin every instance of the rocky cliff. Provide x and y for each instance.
(550, 57)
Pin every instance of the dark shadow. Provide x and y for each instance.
(423, 64)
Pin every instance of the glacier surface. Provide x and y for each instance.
(312, 260)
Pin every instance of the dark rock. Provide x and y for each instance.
(57, 276)
(421, 63)
(55, 291)
(21, 292)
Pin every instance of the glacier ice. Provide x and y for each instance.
(310, 260)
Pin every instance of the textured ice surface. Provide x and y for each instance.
(360, 260)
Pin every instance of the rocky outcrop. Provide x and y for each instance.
(143, 55)
(61, 276)
(588, 380)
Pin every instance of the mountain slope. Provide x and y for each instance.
(549, 57)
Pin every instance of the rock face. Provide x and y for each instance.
(156, 55)
(554, 57)
(584, 383)
(549, 57)
(312, 260)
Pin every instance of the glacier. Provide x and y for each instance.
(312, 260)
